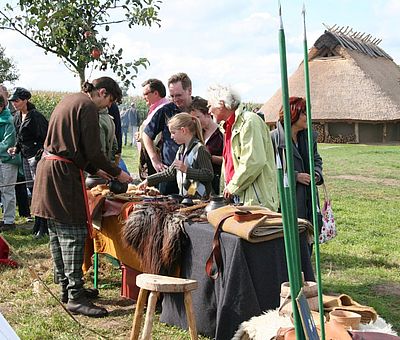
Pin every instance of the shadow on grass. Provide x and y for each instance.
(343, 261)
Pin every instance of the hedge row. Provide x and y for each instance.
(46, 101)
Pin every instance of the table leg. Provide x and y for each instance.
(96, 270)
(191, 320)
(137, 318)
(148, 322)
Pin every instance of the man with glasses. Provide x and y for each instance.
(154, 93)
(180, 90)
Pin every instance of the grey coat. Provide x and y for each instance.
(301, 164)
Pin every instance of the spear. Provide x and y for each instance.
(288, 202)
(312, 172)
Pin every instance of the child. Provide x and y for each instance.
(192, 167)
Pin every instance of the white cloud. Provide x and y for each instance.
(233, 42)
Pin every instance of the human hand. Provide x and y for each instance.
(103, 174)
(142, 185)
(158, 165)
(123, 177)
(12, 151)
(227, 194)
(303, 178)
(117, 158)
(180, 165)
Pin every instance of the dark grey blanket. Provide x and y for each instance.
(249, 284)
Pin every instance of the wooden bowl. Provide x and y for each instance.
(349, 320)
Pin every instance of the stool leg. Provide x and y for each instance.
(148, 322)
(96, 270)
(191, 320)
(137, 318)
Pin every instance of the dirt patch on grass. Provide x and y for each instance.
(388, 289)
(384, 181)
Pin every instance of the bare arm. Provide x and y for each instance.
(151, 150)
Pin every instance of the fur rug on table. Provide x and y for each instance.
(265, 326)
(157, 234)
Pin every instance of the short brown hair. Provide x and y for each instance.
(200, 104)
(156, 85)
(183, 78)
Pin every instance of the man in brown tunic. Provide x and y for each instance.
(72, 145)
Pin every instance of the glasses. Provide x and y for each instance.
(147, 93)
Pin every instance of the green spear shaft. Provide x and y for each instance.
(289, 211)
(312, 172)
(285, 216)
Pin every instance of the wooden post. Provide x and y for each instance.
(384, 137)
(357, 132)
(326, 132)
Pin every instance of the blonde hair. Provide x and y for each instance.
(186, 120)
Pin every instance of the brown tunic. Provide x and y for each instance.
(73, 134)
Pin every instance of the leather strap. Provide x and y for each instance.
(89, 225)
(216, 251)
(243, 216)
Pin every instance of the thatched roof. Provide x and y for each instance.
(351, 79)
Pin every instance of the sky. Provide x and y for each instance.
(217, 41)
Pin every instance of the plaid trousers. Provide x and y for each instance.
(67, 245)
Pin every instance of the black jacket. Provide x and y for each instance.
(301, 164)
(31, 132)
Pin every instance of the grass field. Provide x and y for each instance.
(362, 261)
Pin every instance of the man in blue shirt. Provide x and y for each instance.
(180, 90)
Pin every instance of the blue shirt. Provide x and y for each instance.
(159, 123)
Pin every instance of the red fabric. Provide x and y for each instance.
(4, 252)
(227, 153)
(88, 214)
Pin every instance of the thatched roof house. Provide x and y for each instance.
(355, 89)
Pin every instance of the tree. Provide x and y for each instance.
(71, 30)
(8, 71)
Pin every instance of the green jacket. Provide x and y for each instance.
(7, 137)
(255, 179)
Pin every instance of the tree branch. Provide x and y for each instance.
(46, 48)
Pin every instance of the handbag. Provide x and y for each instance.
(328, 229)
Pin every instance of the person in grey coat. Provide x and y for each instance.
(300, 155)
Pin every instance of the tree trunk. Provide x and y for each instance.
(82, 76)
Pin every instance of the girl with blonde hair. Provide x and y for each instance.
(192, 167)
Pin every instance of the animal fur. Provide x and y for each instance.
(157, 234)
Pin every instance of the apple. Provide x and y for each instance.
(87, 34)
(95, 53)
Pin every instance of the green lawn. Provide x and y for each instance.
(362, 261)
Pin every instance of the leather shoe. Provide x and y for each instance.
(86, 307)
(40, 234)
(7, 227)
(90, 293)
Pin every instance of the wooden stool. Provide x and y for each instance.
(156, 284)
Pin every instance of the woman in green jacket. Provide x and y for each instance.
(8, 167)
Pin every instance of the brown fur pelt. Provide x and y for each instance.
(157, 234)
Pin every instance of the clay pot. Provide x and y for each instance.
(349, 320)
(215, 203)
(117, 187)
(187, 201)
(91, 181)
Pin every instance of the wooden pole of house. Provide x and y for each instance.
(312, 177)
(288, 191)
